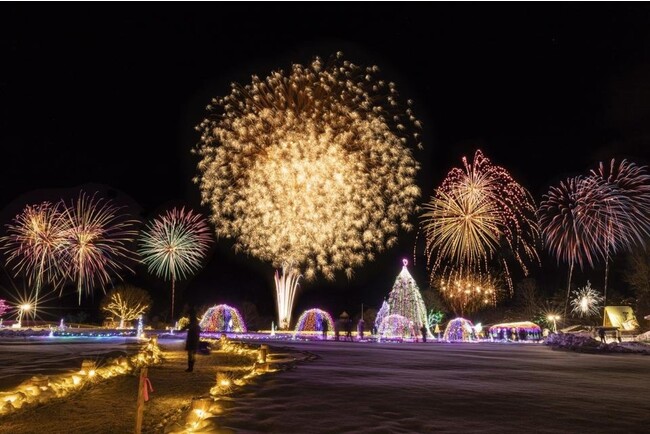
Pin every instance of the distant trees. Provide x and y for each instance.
(126, 302)
(637, 272)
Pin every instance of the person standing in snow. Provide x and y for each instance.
(324, 327)
(192, 341)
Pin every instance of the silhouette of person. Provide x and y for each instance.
(324, 327)
(601, 334)
(192, 341)
(348, 329)
(423, 330)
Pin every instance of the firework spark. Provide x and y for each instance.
(174, 245)
(286, 286)
(586, 219)
(571, 218)
(310, 166)
(97, 242)
(626, 195)
(628, 201)
(470, 294)
(35, 245)
(478, 216)
(586, 301)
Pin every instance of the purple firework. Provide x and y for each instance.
(628, 199)
(572, 221)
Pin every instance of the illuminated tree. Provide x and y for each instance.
(384, 311)
(310, 168)
(405, 300)
(174, 245)
(126, 302)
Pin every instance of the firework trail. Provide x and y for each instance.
(478, 218)
(626, 193)
(174, 245)
(587, 218)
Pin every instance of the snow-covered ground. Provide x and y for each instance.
(377, 388)
(459, 388)
(22, 358)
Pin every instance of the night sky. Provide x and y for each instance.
(107, 97)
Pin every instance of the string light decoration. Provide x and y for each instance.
(42, 389)
(458, 330)
(396, 326)
(466, 296)
(310, 166)
(311, 320)
(518, 330)
(286, 286)
(127, 303)
(222, 318)
(586, 301)
(174, 244)
(140, 330)
(405, 299)
(384, 311)
(477, 219)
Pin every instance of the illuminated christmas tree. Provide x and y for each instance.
(383, 313)
(405, 300)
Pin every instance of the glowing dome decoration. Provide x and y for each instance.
(312, 321)
(396, 326)
(459, 330)
(222, 318)
(405, 299)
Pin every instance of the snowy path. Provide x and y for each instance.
(109, 407)
(459, 388)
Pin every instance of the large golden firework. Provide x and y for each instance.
(310, 167)
(479, 218)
